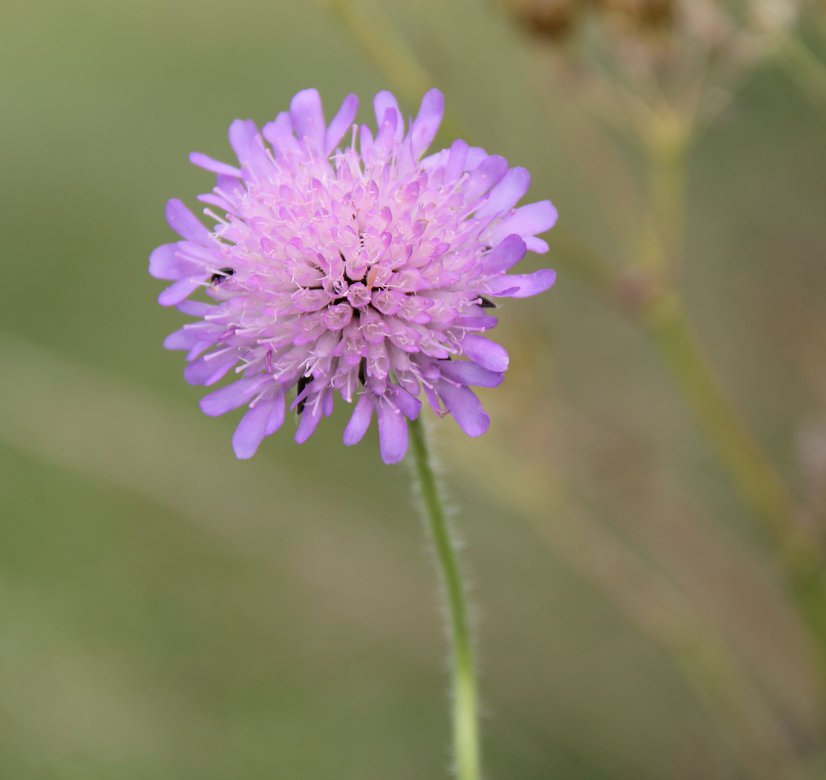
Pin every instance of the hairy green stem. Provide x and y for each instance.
(465, 696)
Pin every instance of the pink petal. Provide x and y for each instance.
(185, 338)
(264, 419)
(365, 140)
(522, 285)
(310, 418)
(468, 373)
(277, 414)
(475, 155)
(280, 134)
(486, 353)
(506, 194)
(185, 223)
(195, 308)
(166, 262)
(173, 295)
(526, 221)
(390, 128)
(426, 124)
(216, 166)
(359, 421)
(232, 396)
(342, 122)
(392, 433)
(476, 322)
(456, 161)
(308, 117)
(247, 145)
(384, 102)
(208, 370)
(537, 245)
(506, 254)
(231, 191)
(409, 404)
(483, 177)
(465, 407)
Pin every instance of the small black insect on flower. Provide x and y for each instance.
(220, 276)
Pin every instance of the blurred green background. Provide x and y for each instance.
(169, 612)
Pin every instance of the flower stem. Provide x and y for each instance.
(465, 696)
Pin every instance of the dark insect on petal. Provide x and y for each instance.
(220, 276)
(303, 381)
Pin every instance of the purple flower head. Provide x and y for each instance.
(343, 263)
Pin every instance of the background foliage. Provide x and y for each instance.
(168, 611)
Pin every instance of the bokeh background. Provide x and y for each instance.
(169, 612)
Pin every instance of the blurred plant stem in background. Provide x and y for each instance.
(388, 49)
(804, 68)
(660, 310)
(649, 292)
(465, 696)
(666, 143)
(662, 313)
(746, 462)
(384, 45)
